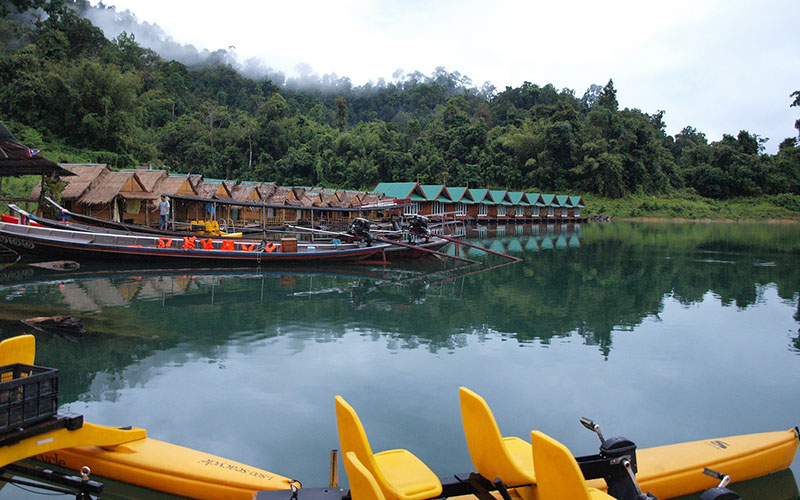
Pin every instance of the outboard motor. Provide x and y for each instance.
(359, 228)
(418, 225)
(616, 463)
(720, 492)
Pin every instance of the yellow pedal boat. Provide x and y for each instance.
(127, 454)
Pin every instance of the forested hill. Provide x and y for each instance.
(69, 91)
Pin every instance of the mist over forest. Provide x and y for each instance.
(90, 84)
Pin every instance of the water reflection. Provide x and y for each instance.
(612, 320)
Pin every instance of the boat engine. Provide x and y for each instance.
(616, 463)
(359, 228)
(418, 225)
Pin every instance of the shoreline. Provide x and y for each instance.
(684, 220)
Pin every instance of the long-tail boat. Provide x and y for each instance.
(33, 241)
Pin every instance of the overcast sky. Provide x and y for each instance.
(717, 65)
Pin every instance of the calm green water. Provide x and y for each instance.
(662, 333)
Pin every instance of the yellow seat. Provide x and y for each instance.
(19, 349)
(363, 485)
(399, 473)
(558, 475)
(493, 455)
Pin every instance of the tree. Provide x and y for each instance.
(608, 97)
(341, 112)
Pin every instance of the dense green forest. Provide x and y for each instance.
(78, 96)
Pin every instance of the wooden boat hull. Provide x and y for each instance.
(170, 468)
(47, 242)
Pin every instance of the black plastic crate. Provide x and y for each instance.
(28, 394)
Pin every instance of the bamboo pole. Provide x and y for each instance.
(477, 247)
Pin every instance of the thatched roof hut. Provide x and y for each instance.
(111, 185)
(175, 184)
(83, 177)
(265, 189)
(245, 193)
(213, 189)
(150, 178)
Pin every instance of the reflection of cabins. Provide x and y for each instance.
(91, 295)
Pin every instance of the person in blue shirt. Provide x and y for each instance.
(163, 210)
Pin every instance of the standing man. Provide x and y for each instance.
(163, 209)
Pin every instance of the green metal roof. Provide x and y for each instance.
(562, 200)
(535, 199)
(500, 197)
(436, 192)
(577, 201)
(548, 200)
(518, 198)
(461, 195)
(401, 190)
(481, 195)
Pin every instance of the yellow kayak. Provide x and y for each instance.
(677, 469)
(167, 467)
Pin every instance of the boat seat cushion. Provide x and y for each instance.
(407, 475)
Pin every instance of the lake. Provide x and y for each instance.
(661, 332)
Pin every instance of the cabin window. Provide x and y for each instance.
(577, 212)
(501, 210)
(438, 208)
(411, 209)
(519, 211)
(483, 210)
(550, 212)
(535, 211)
(461, 209)
(565, 212)
(271, 213)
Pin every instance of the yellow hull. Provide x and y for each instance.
(676, 470)
(167, 467)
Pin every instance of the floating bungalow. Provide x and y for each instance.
(132, 195)
(484, 205)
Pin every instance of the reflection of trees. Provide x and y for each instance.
(617, 276)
